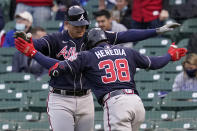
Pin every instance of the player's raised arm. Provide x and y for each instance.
(133, 35)
(157, 62)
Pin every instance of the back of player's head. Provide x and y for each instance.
(95, 36)
(103, 12)
(77, 16)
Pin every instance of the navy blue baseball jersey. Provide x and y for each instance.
(109, 67)
(61, 46)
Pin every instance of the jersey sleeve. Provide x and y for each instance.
(130, 35)
(45, 44)
(141, 61)
(77, 65)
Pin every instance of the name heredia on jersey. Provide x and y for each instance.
(103, 53)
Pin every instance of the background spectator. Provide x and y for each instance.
(23, 23)
(21, 63)
(179, 10)
(106, 23)
(2, 32)
(40, 9)
(192, 44)
(187, 80)
(145, 14)
(122, 13)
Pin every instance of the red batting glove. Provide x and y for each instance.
(176, 53)
(25, 47)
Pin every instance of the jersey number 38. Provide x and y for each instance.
(117, 69)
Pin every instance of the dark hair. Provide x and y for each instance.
(103, 12)
(36, 29)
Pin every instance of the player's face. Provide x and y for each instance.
(76, 31)
(104, 23)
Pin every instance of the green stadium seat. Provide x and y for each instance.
(44, 117)
(7, 51)
(150, 76)
(97, 106)
(147, 126)
(188, 115)
(189, 125)
(189, 26)
(183, 43)
(52, 26)
(33, 126)
(27, 87)
(160, 115)
(13, 101)
(177, 2)
(10, 25)
(45, 78)
(153, 43)
(8, 126)
(16, 77)
(6, 60)
(155, 86)
(182, 100)
(91, 6)
(38, 103)
(19, 116)
(98, 120)
(172, 68)
(5, 68)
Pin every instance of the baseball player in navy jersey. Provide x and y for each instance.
(110, 70)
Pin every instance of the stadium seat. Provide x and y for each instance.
(5, 68)
(38, 103)
(19, 116)
(147, 126)
(189, 26)
(177, 2)
(153, 43)
(150, 76)
(33, 126)
(16, 77)
(52, 26)
(98, 121)
(183, 43)
(189, 125)
(160, 115)
(7, 51)
(13, 101)
(91, 6)
(44, 117)
(188, 115)
(28, 87)
(8, 126)
(172, 68)
(182, 100)
(10, 25)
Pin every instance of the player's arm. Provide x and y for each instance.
(157, 62)
(133, 35)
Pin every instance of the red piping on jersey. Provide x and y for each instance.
(48, 110)
(108, 116)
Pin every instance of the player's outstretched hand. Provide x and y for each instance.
(25, 47)
(56, 69)
(176, 53)
(167, 27)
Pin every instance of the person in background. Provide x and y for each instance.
(24, 22)
(145, 14)
(22, 63)
(106, 23)
(2, 24)
(187, 80)
(40, 9)
(122, 13)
